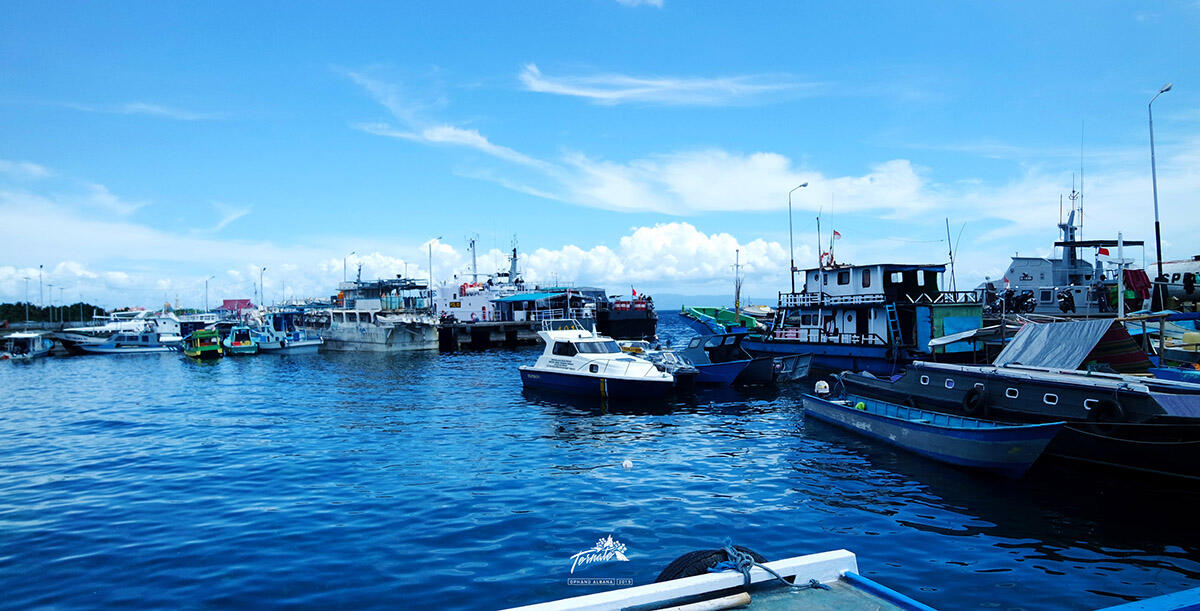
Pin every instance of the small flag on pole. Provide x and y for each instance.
(1103, 251)
(836, 235)
(634, 291)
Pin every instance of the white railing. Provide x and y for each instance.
(825, 299)
(821, 336)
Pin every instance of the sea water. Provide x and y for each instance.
(433, 481)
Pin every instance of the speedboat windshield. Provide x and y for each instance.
(599, 347)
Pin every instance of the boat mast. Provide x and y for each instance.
(950, 248)
(474, 266)
(737, 281)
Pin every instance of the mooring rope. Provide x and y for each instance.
(743, 562)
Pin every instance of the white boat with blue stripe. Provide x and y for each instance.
(579, 361)
(1007, 449)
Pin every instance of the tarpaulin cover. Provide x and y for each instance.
(1137, 281)
(1070, 345)
(1179, 405)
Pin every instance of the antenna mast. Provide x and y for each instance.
(737, 281)
(950, 248)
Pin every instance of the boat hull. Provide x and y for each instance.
(403, 337)
(595, 386)
(1006, 450)
(627, 324)
(828, 356)
(722, 374)
(90, 349)
(304, 346)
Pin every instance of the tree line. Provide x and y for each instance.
(15, 312)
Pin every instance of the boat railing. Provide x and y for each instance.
(965, 297)
(562, 324)
(825, 299)
(822, 336)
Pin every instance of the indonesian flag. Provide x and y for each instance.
(634, 291)
(1103, 251)
(836, 235)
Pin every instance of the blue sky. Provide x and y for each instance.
(146, 147)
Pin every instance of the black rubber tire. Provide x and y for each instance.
(698, 562)
(974, 403)
(1108, 410)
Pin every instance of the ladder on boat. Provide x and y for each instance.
(893, 319)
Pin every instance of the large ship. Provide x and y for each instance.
(391, 315)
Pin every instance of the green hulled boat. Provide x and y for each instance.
(240, 341)
(203, 344)
(721, 320)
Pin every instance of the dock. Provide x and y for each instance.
(460, 335)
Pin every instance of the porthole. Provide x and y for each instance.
(1012, 393)
(949, 383)
(1050, 399)
(593, 368)
(925, 380)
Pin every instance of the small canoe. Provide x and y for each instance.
(1007, 449)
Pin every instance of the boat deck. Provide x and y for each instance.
(840, 596)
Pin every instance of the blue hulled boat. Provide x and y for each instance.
(1007, 449)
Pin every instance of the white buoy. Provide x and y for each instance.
(822, 387)
(628, 464)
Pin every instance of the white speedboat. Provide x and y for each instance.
(280, 334)
(127, 342)
(22, 346)
(580, 361)
(103, 327)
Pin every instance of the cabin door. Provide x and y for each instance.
(862, 323)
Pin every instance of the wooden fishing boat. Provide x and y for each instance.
(203, 344)
(1007, 449)
(240, 341)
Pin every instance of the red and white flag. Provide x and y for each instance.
(836, 235)
(1103, 251)
(633, 290)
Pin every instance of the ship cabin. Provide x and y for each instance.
(875, 305)
(549, 303)
(391, 295)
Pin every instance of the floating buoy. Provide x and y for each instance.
(822, 387)
(628, 464)
(860, 406)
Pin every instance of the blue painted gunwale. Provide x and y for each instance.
(972, 430)
(578, 384)
(830, 357)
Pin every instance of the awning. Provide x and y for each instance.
(1070, 345)
(982, 334)
(526, 297)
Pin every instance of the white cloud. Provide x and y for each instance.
(98, 196)
(683, 91)
(24, 169)
(454, 136)
(228, 214)
(149, 109)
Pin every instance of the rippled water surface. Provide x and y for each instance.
(434, 481)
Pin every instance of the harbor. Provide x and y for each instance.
(605, 305)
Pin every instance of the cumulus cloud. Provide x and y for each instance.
(676, 91)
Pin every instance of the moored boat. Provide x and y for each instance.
(280, 333)
(203, 344)
(1007, 449)
(129, 342)
(240, 341)
(23, 346)
(580, 361)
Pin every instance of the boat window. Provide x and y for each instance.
(604, 347)
(731, 340)
(565, 349)
(849, 316)
(712, 342)
(364, 317)
(1047, 296)
(844, 277)
(1090, 404)
(925, 380)
(806, 319)
(825, 278)
(1050, 399)
(695, 343)
(866, 278)
(949, 383)
(1012, 393)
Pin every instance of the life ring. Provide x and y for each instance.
(1107, 410)
(974, 403)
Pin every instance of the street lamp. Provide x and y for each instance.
(206, 292)
(344, 264)
(1158, 287)
(50, 309)
(26, 303)
(431, 266)
(262, 291)
(791, 247)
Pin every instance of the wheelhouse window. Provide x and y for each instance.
(605, 347)
(866, 278)
(565, 349)
(843, 277)
(897, 277)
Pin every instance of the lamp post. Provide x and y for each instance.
(262, 291)
(1158, 287)
(791, 247)
(50, 310)
(26, 303)
(206, 292)
(344, 264)
(431, 266)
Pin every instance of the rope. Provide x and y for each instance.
(743, 562)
